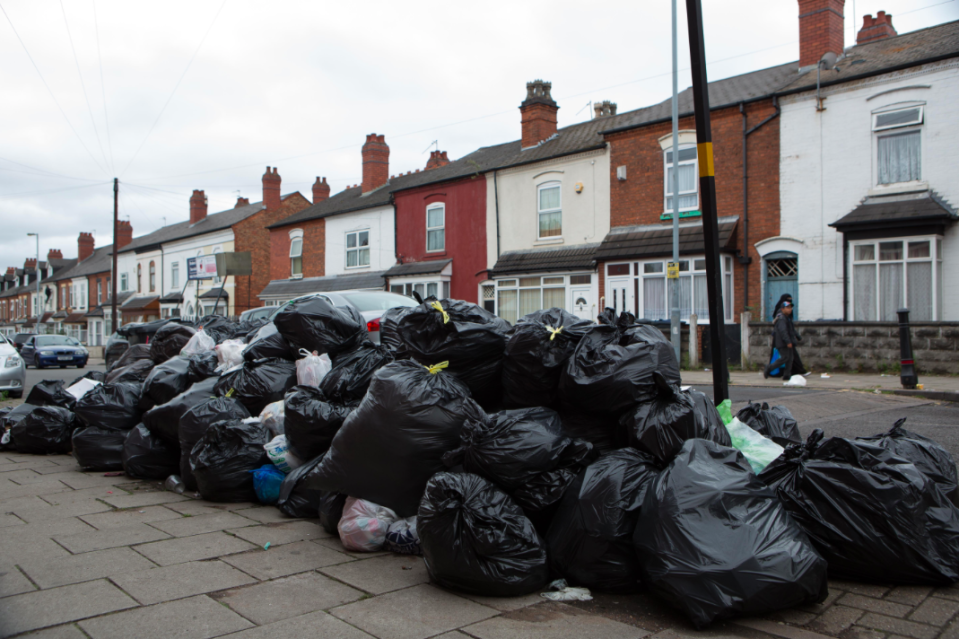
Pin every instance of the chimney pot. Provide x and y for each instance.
(437, 159)
(820, 30)
(54, 254)
(604, 109)
(537, 114)
(241, 201)
(271, 189)
(321, 190)
(876, 28)
(376, 162)
(198, 206)
(85, 245)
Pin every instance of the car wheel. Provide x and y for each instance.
(63, 365)
(80, 366)
(16, 394)
(38, 365)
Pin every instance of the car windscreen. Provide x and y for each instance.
(375, 301)
(56, 340)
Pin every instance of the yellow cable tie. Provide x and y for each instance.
(230, 392)
(439, 307)
(435, 368)
(554, 331)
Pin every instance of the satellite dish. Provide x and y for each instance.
(828, 60)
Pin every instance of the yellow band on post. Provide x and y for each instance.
(435, 368)
(554, 331)
(439, 307)
(706, 168)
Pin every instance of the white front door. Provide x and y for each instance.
(583, 306)
(618, 294)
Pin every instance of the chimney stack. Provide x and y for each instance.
(376, 163)
(876, 28)
(820, 30)
(85, 244)
(271, 189)
(241, 201)
(321, 190)
(30, 263)
(538, 113)
(604, 109)
(437, 159)
(197, 206)
(11, 270)
(124, 233)
(54, 254)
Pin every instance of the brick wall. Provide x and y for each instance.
(104, 277)
(639, 199)
(314, 249)
(252, 235)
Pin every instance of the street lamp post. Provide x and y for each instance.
(39, 315)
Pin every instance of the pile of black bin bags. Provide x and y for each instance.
(555, 448)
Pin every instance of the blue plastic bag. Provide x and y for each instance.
(776, 372)
(267, 480)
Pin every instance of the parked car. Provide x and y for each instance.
(257, 313)
(54, 350)
(13, 372)
(370, 304)
(20, 339)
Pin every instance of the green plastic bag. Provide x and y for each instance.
(725, 409)
(758, 450)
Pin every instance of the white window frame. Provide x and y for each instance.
(935, 258)
(124, 282)
(296, 235)
(667, 165)
(423, 286)
(540, 212)
(552, 281)
(690, 267)
(357, 249)
(897, 109)
(174, 275)
(892, 130)
(436, 206)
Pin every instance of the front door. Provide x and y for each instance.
(617, 296)
(583, 306)
(782, 277)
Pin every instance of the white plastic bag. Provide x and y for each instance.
(229, 353)
(83, 387)
(199, 343)
(273, 416)
(311, 368)
(402, 537)
(758, 450)
(279, 453)
(364, 525)
(795, 380)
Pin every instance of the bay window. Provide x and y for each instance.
(550, 211)
(425, 288)
(688, 180)
(524, 295)
(357, 249)
(655, 290)
(890, 274)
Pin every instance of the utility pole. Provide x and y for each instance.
(113, 280)
(672, 276)
(707, 190)
(39, 310)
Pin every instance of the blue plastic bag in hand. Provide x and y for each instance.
(267, 480)
(776, 372)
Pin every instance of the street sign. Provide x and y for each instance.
(201, 268)
(672, 270)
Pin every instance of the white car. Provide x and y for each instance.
(13, 371)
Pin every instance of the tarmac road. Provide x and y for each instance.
(66, 374)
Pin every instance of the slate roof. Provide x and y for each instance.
(107, 305)
(172, 298)
(328, 284)
(137, 303)
(898, 210)
(101, 261)
(657, 240)
(549, 259)
(425, 267)
(213, 293)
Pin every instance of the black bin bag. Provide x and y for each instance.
(114, 406)
(389, 330)
(476, 539)
(217, 327)
(715, 542)
(316, 325)
(353, 370)
(203, 365)
(467, 336)
(99, 449)
(590, 541)
(135, 353)
(776, 423)
(612, 370)
(331, 511)
(258, 383)
(311, 421)
(536, 353)
(45, 430)
(196, 420)
(164, 420)
(661, 426)
(167, 380)
(51, 392)
(299, 496)
(929, 457)
(224, 459)
(268, 343)
(97, 376)
(147, 456)
(524, 452)
(872, 514)
(169, 340)
(390, 446)
(135, 373)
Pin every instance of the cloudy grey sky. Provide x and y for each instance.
(204, 94)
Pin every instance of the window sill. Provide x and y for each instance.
(548, 240)
(356, 268)
(431, 254)
(900, 187)
(296, 277)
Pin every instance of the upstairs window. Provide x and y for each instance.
(436, 227)
(139, 278)
(899, 144)
(153, 276)
(549, 206)
(688, 179)
(357, 249)
(175, 275)
(99, 292)
(124, 284)
(296, 257)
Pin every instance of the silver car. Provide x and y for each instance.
(370, 304)
(13, 372)
(257, 313)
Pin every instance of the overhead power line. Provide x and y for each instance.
(103, 91)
